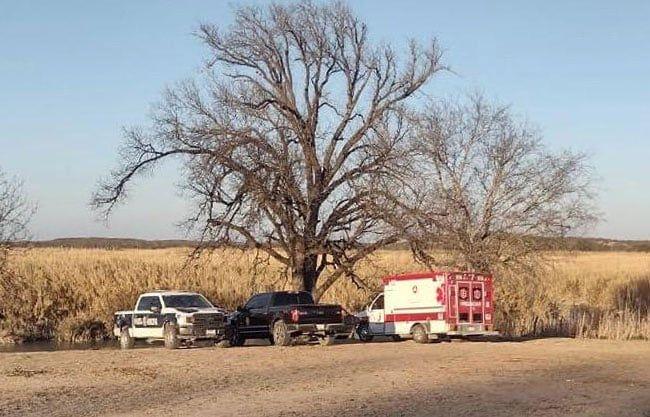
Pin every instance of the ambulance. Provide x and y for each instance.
(427, 306)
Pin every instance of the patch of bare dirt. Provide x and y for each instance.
(552, 377)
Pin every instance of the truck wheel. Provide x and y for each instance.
(281, 335)
(420, 334)
(363, 331)
(396, 338)
(236, 339)
(326, 340)
(126, 341)
(223, 343)
(171, 337)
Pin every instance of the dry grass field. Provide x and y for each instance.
(71, 294)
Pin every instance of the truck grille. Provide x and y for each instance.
(203, 322)
(209, 321)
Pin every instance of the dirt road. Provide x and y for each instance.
(552, 377)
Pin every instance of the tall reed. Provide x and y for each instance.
(71, 294)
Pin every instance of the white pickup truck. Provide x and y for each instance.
(177, 317)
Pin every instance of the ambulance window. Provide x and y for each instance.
(379, 303)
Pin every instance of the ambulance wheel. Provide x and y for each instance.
(171, 337)
(126, 341)
(396, 338)
(363, 331)
(420, 334)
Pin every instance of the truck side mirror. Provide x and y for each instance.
(241, 309)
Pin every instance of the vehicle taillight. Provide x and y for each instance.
(295, 315)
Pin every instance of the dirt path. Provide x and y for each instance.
(553, 377)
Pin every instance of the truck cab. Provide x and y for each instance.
(430, 305)
(176, 317)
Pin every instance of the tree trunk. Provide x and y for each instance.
(304, 274)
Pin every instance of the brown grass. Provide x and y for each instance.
(71, 294)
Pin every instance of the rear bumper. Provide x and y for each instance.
(323, 329)
(473, 329)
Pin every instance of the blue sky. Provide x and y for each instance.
(73, 72)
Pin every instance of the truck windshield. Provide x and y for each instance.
(186, 301)
(288, 298)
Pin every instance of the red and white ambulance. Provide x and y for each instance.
(430, 305)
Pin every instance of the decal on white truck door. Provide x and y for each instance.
(146, 321)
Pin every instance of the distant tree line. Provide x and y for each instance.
(578, 244)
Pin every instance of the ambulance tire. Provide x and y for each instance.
(396, 338)
(363, 332)
(419, 333)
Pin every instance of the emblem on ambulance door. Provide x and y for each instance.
(477, 294)
(463, 293)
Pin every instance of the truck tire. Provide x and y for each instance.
(171, 337)
(326, 340)
(396, 338)
(236, 339)
(126, 341)
(224, 343)
(281, 335)
(363, 332)
(420, 334)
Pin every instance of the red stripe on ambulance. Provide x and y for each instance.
(391, 318)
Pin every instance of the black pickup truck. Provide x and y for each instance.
(283, 316)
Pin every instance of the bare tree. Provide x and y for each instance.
(298, 119)
(491, 189)
(15, 211)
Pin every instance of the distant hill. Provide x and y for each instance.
(570, 243)
(111, 243)
(596, 244)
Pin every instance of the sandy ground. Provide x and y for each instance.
(551, 377)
